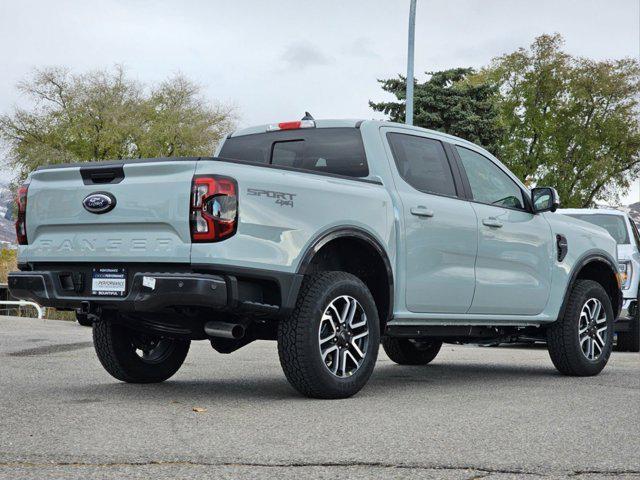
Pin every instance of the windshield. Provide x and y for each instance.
(614, 224)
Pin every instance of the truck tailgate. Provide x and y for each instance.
(150, 222)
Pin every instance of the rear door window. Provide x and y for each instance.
(422, 163)
(329, 150)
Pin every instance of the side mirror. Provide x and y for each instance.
(545, 199)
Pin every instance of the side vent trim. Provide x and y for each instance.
(563, 247)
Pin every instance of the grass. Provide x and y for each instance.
(8, 263)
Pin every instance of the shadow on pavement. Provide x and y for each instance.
(385, 379)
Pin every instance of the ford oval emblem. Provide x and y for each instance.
(99, 202)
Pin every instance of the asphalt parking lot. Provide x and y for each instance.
(493, 413)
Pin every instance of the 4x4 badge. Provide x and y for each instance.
(282, 198)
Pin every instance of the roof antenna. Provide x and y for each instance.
(307, 116)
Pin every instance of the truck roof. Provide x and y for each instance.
(345, 123)
(319, 124)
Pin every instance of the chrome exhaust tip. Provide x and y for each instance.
(234, 331)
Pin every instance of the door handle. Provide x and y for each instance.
(421, 211)
(492, 222)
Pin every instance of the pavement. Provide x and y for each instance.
(493, 413)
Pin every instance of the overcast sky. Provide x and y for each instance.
(276, 59)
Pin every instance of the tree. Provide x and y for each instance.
(103, 115)
(572, 123)
(446, 103)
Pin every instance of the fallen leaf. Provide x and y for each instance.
(199, 409)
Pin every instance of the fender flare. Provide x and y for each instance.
(577, 268)
(350, 232)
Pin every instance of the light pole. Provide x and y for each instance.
(408, 116)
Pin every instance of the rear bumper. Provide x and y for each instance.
(168, 290)
(67, 286)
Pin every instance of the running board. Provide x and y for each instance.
(468, 333)
(461, 331)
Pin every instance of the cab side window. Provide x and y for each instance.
(489, 184)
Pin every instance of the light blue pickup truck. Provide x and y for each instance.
(330, 237)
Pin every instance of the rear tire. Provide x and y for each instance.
(580, 342)
(404, 351)
(320, 346)
(134, 357)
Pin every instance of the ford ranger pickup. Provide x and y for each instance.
(331, 237)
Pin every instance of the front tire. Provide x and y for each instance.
(135, 357)
(580, 343)
(329, 344)
(404, 351)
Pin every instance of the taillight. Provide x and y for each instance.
(21, 221)
(214, 208)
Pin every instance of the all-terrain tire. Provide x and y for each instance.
(116, 347)
(404, 351)
(298, 337)
(563, 338)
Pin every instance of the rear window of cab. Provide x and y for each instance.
(337, 151)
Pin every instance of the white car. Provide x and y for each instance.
(625, 233)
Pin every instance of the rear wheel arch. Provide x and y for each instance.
(356, 251)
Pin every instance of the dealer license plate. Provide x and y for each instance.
(109, 282)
